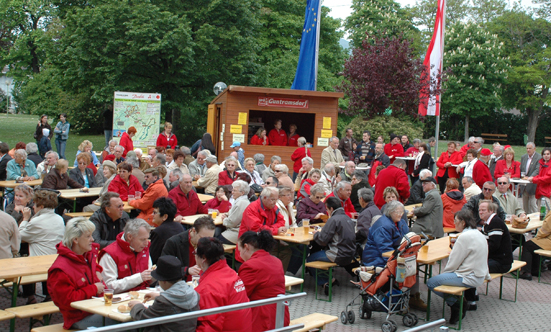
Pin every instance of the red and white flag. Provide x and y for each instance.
(433, 61)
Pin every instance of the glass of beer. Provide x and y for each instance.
(306, 222)
(108, 296)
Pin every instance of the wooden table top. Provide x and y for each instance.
(11, 268)
(13, 184)
(534, 223)
(437, 250)
(292, 281)
(96, 306)
(76, 193)
(299, 237)
(204, 198)
(189, 220)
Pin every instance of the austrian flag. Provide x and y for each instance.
(433, 62)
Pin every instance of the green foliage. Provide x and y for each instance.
(386, 125)
(343, 122)
(478, 70)
(486, 10)
(373, 18)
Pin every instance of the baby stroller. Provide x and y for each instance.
(388, 289)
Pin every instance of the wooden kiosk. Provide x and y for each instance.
(237, 113)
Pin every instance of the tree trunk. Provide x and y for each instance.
(534, 115)
(466, 129)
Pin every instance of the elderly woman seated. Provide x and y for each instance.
(368, 214)
(313, 177)
(20, 168)
(58, 178)
(232, 219)
(312, 207)
(23, 198)
(282, 175)
(125, 183)
(87, 146)
(42, 232)
(82, 174)
(77, 261)
(467, 265)
(391, 194)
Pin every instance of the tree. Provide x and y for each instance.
(526, 42)
(376, 19)
(478, 71)
(544, 11)
(385, 73)
(483, 11)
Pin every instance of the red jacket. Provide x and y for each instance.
(455, 159)
(119, 186)
(72, 278)
(543, 180)
(187, 206)
(220, 286)
(225, 179)
(264, 278)
(481, 173)
(347, 205)
(293, 140)
(255, 140)
(391, 176)
(464, 149)
(155, 190)
(221, 206)
(256, 218)
(128, 261)
(297, 158)
(453, 201)
(501, 168)
(162, 140)
(396, 150)
(126, 143)
(278, 137)
(371, 178)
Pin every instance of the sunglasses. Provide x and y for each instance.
(277, 171)
(488, 189)
(268, 183)
(502, 183)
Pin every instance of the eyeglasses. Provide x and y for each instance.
(488, 189)
(320, 197)
(475, 142)
(502, 183)
(277, 171)
(155, 212)
(268, 183)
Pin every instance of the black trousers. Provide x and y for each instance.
(442, 182)
(30, 289)
(532, 260)
(496, 267)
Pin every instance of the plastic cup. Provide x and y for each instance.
(130, 198)
(306, 222)
(453, 238)
(108, 296)
(138, 195)
(214, 214)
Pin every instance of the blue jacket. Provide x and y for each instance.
(383, 236)
(60, 128)
(14, 170)
(44, 145)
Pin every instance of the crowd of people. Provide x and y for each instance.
(470, 191)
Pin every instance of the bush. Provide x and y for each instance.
(384, 126)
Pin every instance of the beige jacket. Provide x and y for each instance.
(511, 206)
(543, 238)
(328, 156)
(210, 180)
(10, 239)
(473, 190)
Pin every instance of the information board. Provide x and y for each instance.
(140, 110)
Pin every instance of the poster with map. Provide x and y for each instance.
(141, 110)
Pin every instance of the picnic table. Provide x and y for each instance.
(205, 198)
(189, 220)
(516, 184)
(534, 223)
(97, 306)
(126, 207)
(73, 194)
(406, 158)
(12, 269)
(12, 183)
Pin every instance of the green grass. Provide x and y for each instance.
(21, 127)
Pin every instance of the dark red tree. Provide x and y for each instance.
(385, 73)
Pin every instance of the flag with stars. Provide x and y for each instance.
(307, 68)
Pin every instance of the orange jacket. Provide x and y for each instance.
(155, 190)
(453, 201)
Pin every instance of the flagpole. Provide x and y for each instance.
(317, 44)
(441, 68)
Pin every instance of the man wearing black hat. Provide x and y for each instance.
(431, 213)
(178, 297)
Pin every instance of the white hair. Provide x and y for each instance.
(283, 168)
(21, 153)
(75, 228)
(268, 191)
(241, 186)
(119, 146)
(133, 226)
(308, 160)
(31, 148)
(425, 173)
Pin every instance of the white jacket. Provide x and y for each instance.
(43, 232)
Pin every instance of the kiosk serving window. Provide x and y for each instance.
(305, 123)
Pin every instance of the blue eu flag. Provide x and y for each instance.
(305, 77)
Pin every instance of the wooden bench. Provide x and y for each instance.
(229, 250)
(38, 312)
(79, 214)
(453, 291)
(494, 137)
(547, 140)
(320, 268)
(313, 321)
(26, 280)
(516, 266)
(51, 328)
(292, 281)
(5, 315)
(448, 230)
(542, 253)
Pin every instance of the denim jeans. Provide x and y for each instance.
(319, 256)
(60, 145)
(94, 320)
(108, 136)
(448, 279)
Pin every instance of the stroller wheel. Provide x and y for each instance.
(387, 327)
(410, 319)
(351, 317)
(344, 317)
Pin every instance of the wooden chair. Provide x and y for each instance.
(51, 328)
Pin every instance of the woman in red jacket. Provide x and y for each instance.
(508, 166)
(125, 183)
(126, 140)
(260, 137)
(74, 275)
(543, 179)
(445, 168)
(228, 175)
(167, 138)
(220, 286)
(453, 200)
(221, 200)
(263, 277)
(301, 152)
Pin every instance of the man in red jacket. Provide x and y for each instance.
(481, 172)
(277, 136)
(126, 262)
(342, 192)
(394, 148)
(392, 176)
(263, 214)
(186, 200)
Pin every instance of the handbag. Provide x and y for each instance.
(257, 188)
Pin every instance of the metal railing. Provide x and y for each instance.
(280, 314)
(436, 323)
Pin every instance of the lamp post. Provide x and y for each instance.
(8, 83)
